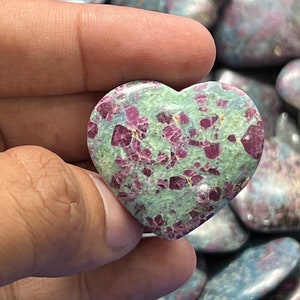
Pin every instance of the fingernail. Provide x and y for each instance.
(122, 229)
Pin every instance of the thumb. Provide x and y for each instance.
(57, 219)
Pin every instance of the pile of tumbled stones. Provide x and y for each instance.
(250, 249)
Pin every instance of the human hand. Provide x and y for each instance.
(56, 60)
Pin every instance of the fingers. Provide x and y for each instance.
(54, 220)
(151, 270)
(58, 123)
(51, 48)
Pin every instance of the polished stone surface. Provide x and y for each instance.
(287, 131)
(175, 158)
(287, 84)
(289, 289)
(252, 273)
(255, 33)
(222, 233)
(155, 5)
(203, 11)
(263, 95)
(271, 200)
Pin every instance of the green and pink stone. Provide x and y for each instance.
(174, 159)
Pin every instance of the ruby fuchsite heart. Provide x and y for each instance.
(172, 158)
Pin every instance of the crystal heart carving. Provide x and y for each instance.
(172, 158)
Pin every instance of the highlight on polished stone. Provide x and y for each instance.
(262, 94)
(287, 83)
(221, 234)
(270, 203)
(254, 272)
(174, 159)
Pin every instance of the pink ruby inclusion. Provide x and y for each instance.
(164, 117)
(251, 140)
(172, 133)
(231, 138)
(107, 109)
(177, 183)
(121, 136)
(212, 151)
(92, 129)
(222, 103)
(215, 194)
(132, 114)
(183, 118)
(208, 122)
(250, 113)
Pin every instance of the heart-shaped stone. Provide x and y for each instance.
(175, 158)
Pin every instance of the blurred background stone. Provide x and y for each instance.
(252, 273)
(271, 200)
(286, 130)
(204, 11)
(155, 5)
(263, 95)
(255, 33)
(222, 233)
(287, 84)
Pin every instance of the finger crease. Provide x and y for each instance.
(82, 55)
(84, 287)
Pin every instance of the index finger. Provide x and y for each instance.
(53, 48)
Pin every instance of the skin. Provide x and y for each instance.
(63, 236)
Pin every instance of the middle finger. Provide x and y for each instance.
(57, 123)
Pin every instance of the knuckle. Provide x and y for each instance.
(46, 199)
(47, 177)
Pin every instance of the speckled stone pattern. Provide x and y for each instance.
(271, 200)
(286, 130)
(220, 234)
(175, 158)
(289, 289)
(252, 273)
(204, 11)
(262, 94)
(271, 40)
(287, 83)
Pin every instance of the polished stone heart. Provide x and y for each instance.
(172, 158)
